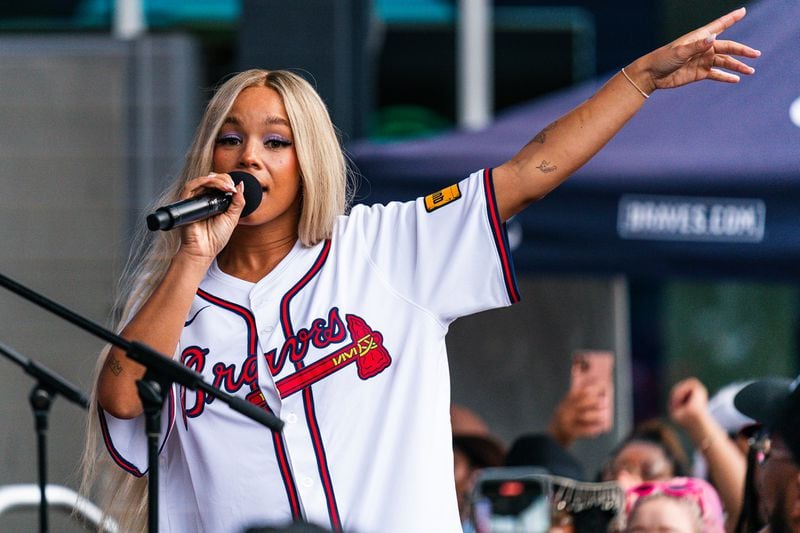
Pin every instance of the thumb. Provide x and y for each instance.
(704, 44)
(694, 46)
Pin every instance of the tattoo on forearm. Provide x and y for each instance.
(546, 167)
(114, 366)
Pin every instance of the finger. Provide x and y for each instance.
(579, 396)
(590, 418)
(735, 48)
(590, 390)
(587, 403)
(724, 22)
(731, 63)
(237, 201)
(588, 430)
(720, 75)
(681, 394)
(222, 182)
(679, 386)
(591, 411)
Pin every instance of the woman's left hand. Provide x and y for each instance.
(696, 56)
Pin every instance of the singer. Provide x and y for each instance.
(333, 319)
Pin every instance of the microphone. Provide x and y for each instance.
(206, 205)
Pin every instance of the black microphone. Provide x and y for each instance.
(206, 205)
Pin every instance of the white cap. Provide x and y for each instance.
(721, 407)
(724, 412)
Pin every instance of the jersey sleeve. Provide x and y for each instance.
(447, 252)
(126, 441)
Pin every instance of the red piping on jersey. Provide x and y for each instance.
(277, 440)
(286, 473)
(308, 398)
(115, 455)
(250, 320)
(500, 237)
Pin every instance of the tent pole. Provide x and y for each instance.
(128, 19)
(475, 73)
(622, 347)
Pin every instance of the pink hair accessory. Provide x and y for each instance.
(693, 489)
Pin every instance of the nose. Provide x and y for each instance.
(249, 156)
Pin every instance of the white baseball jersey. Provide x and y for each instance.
(344, 341)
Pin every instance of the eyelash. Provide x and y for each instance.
(227, 140)
(277, 143)
(273, 143)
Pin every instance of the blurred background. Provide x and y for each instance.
(99, 99)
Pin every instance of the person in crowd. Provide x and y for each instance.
(577, 505)
(578, 415)
(474, 448)
(651, 452)
(543, 451)
(775, 403)
(677, 505)
(333, 319)
(689, 408)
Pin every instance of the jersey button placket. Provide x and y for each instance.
(266, 316)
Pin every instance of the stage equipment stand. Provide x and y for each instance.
(161, 373)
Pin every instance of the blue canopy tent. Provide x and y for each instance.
(705, 180)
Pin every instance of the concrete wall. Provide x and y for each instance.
(71, 183)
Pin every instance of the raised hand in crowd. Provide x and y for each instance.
(580, 414)
(727, 465)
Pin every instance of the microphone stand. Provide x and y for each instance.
(161, 372)
(48, 384)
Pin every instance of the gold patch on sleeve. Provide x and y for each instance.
(442, 198)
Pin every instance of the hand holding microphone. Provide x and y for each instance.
(206, 205)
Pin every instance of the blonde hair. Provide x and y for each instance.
(326, 186)
(689, 505)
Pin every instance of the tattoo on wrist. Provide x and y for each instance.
(114, 366)
(546, 167)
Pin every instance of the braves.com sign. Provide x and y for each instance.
(681, 218)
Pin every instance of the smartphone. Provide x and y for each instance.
(530, 499)
(596, 367)
(511, 499)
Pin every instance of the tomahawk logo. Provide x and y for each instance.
(365, 349)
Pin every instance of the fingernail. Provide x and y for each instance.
(212, 174)
(711, 38)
